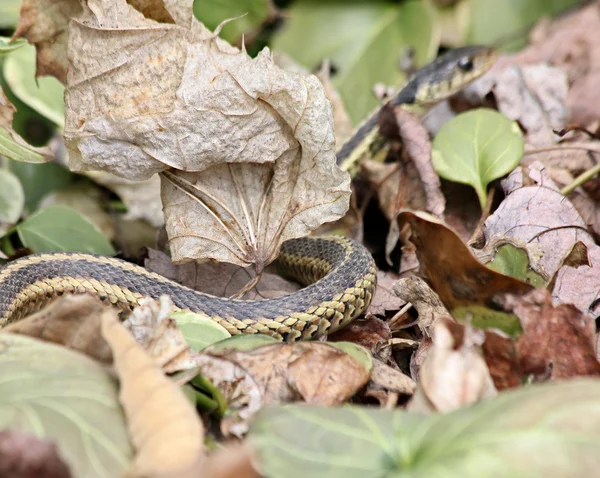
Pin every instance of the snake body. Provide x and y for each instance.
(339, 273)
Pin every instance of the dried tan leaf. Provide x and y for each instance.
(73, 321)
(369, 333)
(163, 425)
(454, 373)
(384, 299)
(235, 460)
(26, 456)
(384, 377)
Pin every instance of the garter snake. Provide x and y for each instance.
(339, 273)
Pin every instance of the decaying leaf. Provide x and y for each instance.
(249, 147)
(369, 333)
(26, 456)
(73, 321)
(384, 299)
(453, 374)
(166, 431)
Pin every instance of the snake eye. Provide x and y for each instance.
(465, 64)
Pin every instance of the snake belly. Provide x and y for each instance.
(340, 275)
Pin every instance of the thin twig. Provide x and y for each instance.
(579, 180)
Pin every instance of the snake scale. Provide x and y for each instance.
(339, 274)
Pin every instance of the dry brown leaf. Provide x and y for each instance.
(369, 333)
(232, 461)
(384, 299)
(219, 279)
(166, 431)
(45, 24)
(453, 374)
(26, 456)
(253, 144)
(73, 321)
(580, 285)
(388, 379)
(558, 341)
(159, 335)
(500, 353)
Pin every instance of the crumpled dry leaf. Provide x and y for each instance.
(159, 335)
(26, 456)
(314, 372)
(369, 333)
(454, 373)
(219, 279)
(386, 381)
(164, 427)
(558, 341)
(256, 142)
(73, 321)
(384, 299)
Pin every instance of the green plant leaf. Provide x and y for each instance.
(513, 261)
(12, 200)
(241, 342)
(9, 13)
(510, 19)
(550, 429)
(198, 331)
(38, 180)
(7, 47)
(485, 318)
(19, 152)
(52, 392)
(213, 12)
(45, 95)
(363, 40)
(60, 228)
(476, 148)
(357, 352)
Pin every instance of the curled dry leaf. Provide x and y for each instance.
(453, 374)
(384, 299)
(249, 147)
(369, 333)
(159, 335)
(73, 321)
(389, 380)
(26, 456)
(163, 425)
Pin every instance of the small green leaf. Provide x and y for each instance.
(44, 94)
(12, 200)
(363, 40)
(360, 354)
(60, 228)
(19, 152)
(486, 318)
(9, 13)
(6, 46)
(241, 342)
(199, 332)
(52, 392)
(550, 429)
(476, 148)
(513, 261)
(40, 180)
(213, 12)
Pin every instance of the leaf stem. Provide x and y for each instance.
(579, 180)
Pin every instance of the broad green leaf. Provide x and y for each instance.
(38, 180)
(513, 261)
(198, 331)
(360, 354)
(9, 13)
(242, 342)
(485, 318)
(19, 152)
(54, 393)
(12, 200)
(476, 148)
(363, 40)
(551, 429)
(7, 47)
(493, 22)
(213, 12)
(45, 95)
(60, 228)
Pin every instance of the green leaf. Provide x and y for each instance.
(40, 180)
(213, 12)
(510, 19)
(9, 13)
(476, 148)
(45, 95)
(360, 354)
(363, 40)
(241, 342)
(485, 318)
(551, 429)
(19, 152)
(60, 228)
(6, 46)
(12, 200)
(199, 332)
(52, 392)
(513, 261)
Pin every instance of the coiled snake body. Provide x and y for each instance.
(339, 273)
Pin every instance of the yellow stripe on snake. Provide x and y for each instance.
(339, 274)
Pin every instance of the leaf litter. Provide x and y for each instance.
(246, 156)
